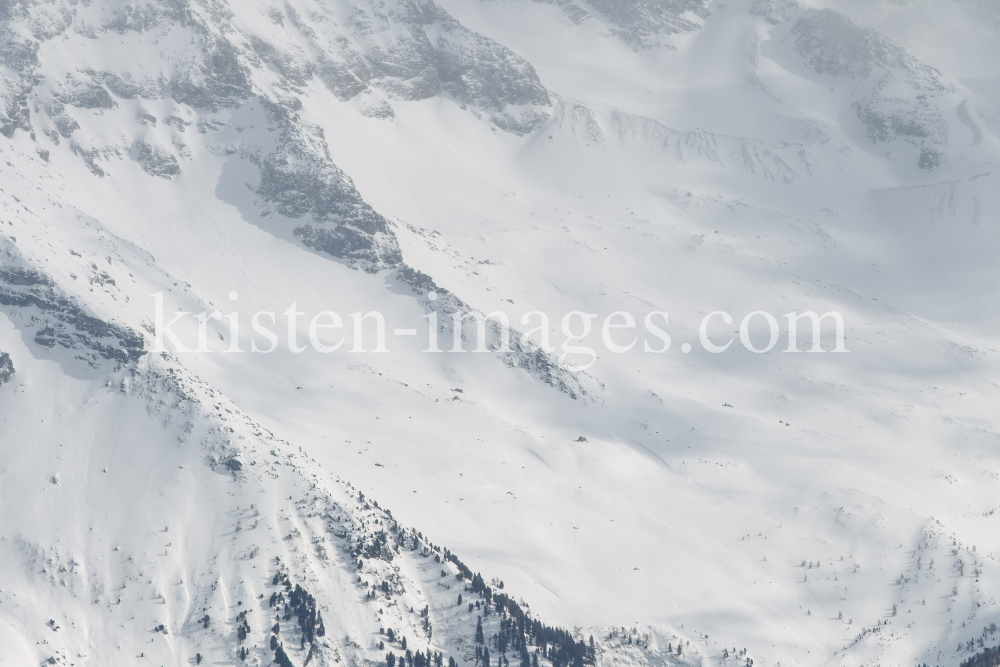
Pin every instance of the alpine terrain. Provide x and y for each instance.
(259, 404)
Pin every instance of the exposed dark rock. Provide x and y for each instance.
(291, 64)
(372, 105)
(642, 23)
(298, 180)
(15, 115)
(929, 158)
(85, 95)
(136, 17)
(367, 251)
(6, 367)
(775, 11)
(477, 71)
(65, 125)
(143, 117)
(19, 56)
(59, 320)
(176, 122)
(222, 81)
(345, 79)
(23, 277)
(155, 161)
(90, 157)
(418, 280)
(126, 87)
(22, 59)
(394, 52)
(406, 67)
(833, 45)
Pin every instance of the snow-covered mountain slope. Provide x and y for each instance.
(422, 159)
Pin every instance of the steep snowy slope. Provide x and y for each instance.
(414, 158)
(152, 522)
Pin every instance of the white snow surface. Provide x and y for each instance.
(813, 509)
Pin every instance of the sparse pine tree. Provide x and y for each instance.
(281, 658)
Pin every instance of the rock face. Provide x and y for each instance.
(896, 97)
(298, 180)
(85, 94)
(368, 53)
(6, 368)
(56, 319)
(155, 161)
(775, 11)
(642, 24)
(234, 89)
(413, 50)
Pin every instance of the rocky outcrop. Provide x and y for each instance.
(220, 80)
(895, 96)
(413, 50)
(775, 11)
(156, 161)
(299, 180)
(402, 49)
(6, 368)
(18, 60)
(85, 94)
(642, 22)
(57, 319)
